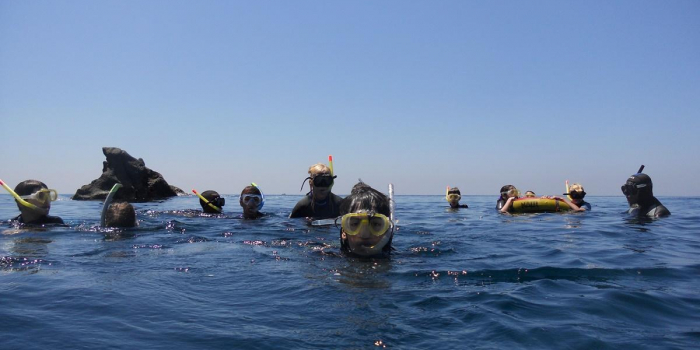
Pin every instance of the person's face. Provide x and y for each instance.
(29, 214)
(250, 202)
(320, 192)
(370, 234)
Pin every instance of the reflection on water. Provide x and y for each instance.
(457, 278)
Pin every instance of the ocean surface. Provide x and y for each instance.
(467, 278)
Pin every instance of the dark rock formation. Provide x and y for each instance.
(140, 184)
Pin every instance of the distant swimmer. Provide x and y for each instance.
(252, 201)
(638, 190)
(508, 194)
(120, 214)
(530, 194)
(34, 199)
(319, 203)
(576, 193)
(211, 202)
(453, 197)
(365, 226)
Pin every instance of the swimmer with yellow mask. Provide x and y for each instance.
(366, 229)
(453, 195)
(33, 200)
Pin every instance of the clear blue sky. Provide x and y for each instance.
(424, 94)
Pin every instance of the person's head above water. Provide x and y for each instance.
(121, 214)
(529, 194)
(320, 181)
(508, 191)
(638, 190)
(576, 192)
(366, 229)
(37, 193)
(453, 196)
(250, 200)
(213, 198)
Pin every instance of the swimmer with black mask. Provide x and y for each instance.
(366, 229)
(320, 202)
(576, 193)
(212, 203)
(638, 191)
(38, 198)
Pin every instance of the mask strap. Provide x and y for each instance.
(206, 201)
(21, 201)
(303, 182)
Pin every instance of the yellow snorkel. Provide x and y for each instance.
(447, 193)
(206, 201)
(567, 189)
(20, 200)
(330, 163)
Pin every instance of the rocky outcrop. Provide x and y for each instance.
(140, 184)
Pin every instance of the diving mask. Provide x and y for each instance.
(43, 196)
(453, 197)
(513, 192)
(321, 180)
(576, 194)
(255, 198)
(631, 189)
(353, 223)
(324, 180)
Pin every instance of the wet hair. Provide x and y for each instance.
(529, 194)
(319, 168)
(210, 196)
(251, 190)
(505, 190)
(28, 187)
(454, 190)
(364, 197)
(121, 214)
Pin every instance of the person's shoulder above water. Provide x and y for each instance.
(638, 189)
(33, 199)
(44, 220)
(319, 203)
(302, 208)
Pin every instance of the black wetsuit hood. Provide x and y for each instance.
(639, 190)
(639, 194)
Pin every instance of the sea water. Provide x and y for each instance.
(467, 278)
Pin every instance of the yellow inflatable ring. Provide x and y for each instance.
(539, 205)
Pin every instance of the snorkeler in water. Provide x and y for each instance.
(453, 196)
(576, 193)
(121, 214)
(252, 200)
(505, 202)
(34, 203)
(365, 226)
(530, 194)
(638, 191)
(320, 202)
(211, 202)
